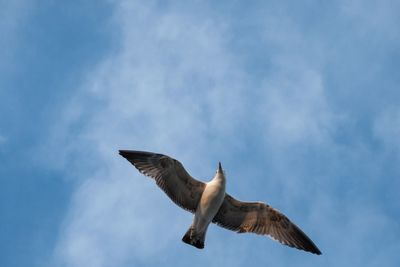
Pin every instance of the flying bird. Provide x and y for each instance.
(210, 203)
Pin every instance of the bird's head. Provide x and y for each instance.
(220, 172)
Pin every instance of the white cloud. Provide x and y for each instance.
(2, 139)
(162, 91)
(387, 129)
(295, 108)
(374, 20)
(13, 15)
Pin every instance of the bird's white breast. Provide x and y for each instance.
(210, 202)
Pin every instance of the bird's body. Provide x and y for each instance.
(210, 203)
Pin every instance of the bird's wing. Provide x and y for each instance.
(260, 218)
(169, 175)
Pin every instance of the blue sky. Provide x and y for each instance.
(299, 101)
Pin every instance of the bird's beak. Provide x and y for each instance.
(220, 168)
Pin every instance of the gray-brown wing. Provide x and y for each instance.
(169, 175)
(260, 218)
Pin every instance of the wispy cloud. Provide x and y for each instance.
(13, 15)
(295, 108)
(387, 129)
(372, 19)
(162, 91)
(2, 139)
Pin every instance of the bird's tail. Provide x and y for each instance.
(193, 238)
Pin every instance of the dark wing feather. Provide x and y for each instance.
(169, 175)
(259, 218)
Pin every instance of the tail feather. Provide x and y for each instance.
(194, 239)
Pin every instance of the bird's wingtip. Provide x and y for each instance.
(123, 153)
(314, 250)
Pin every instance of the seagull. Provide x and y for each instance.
(210, 203)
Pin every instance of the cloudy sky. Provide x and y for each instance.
(299, 100)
